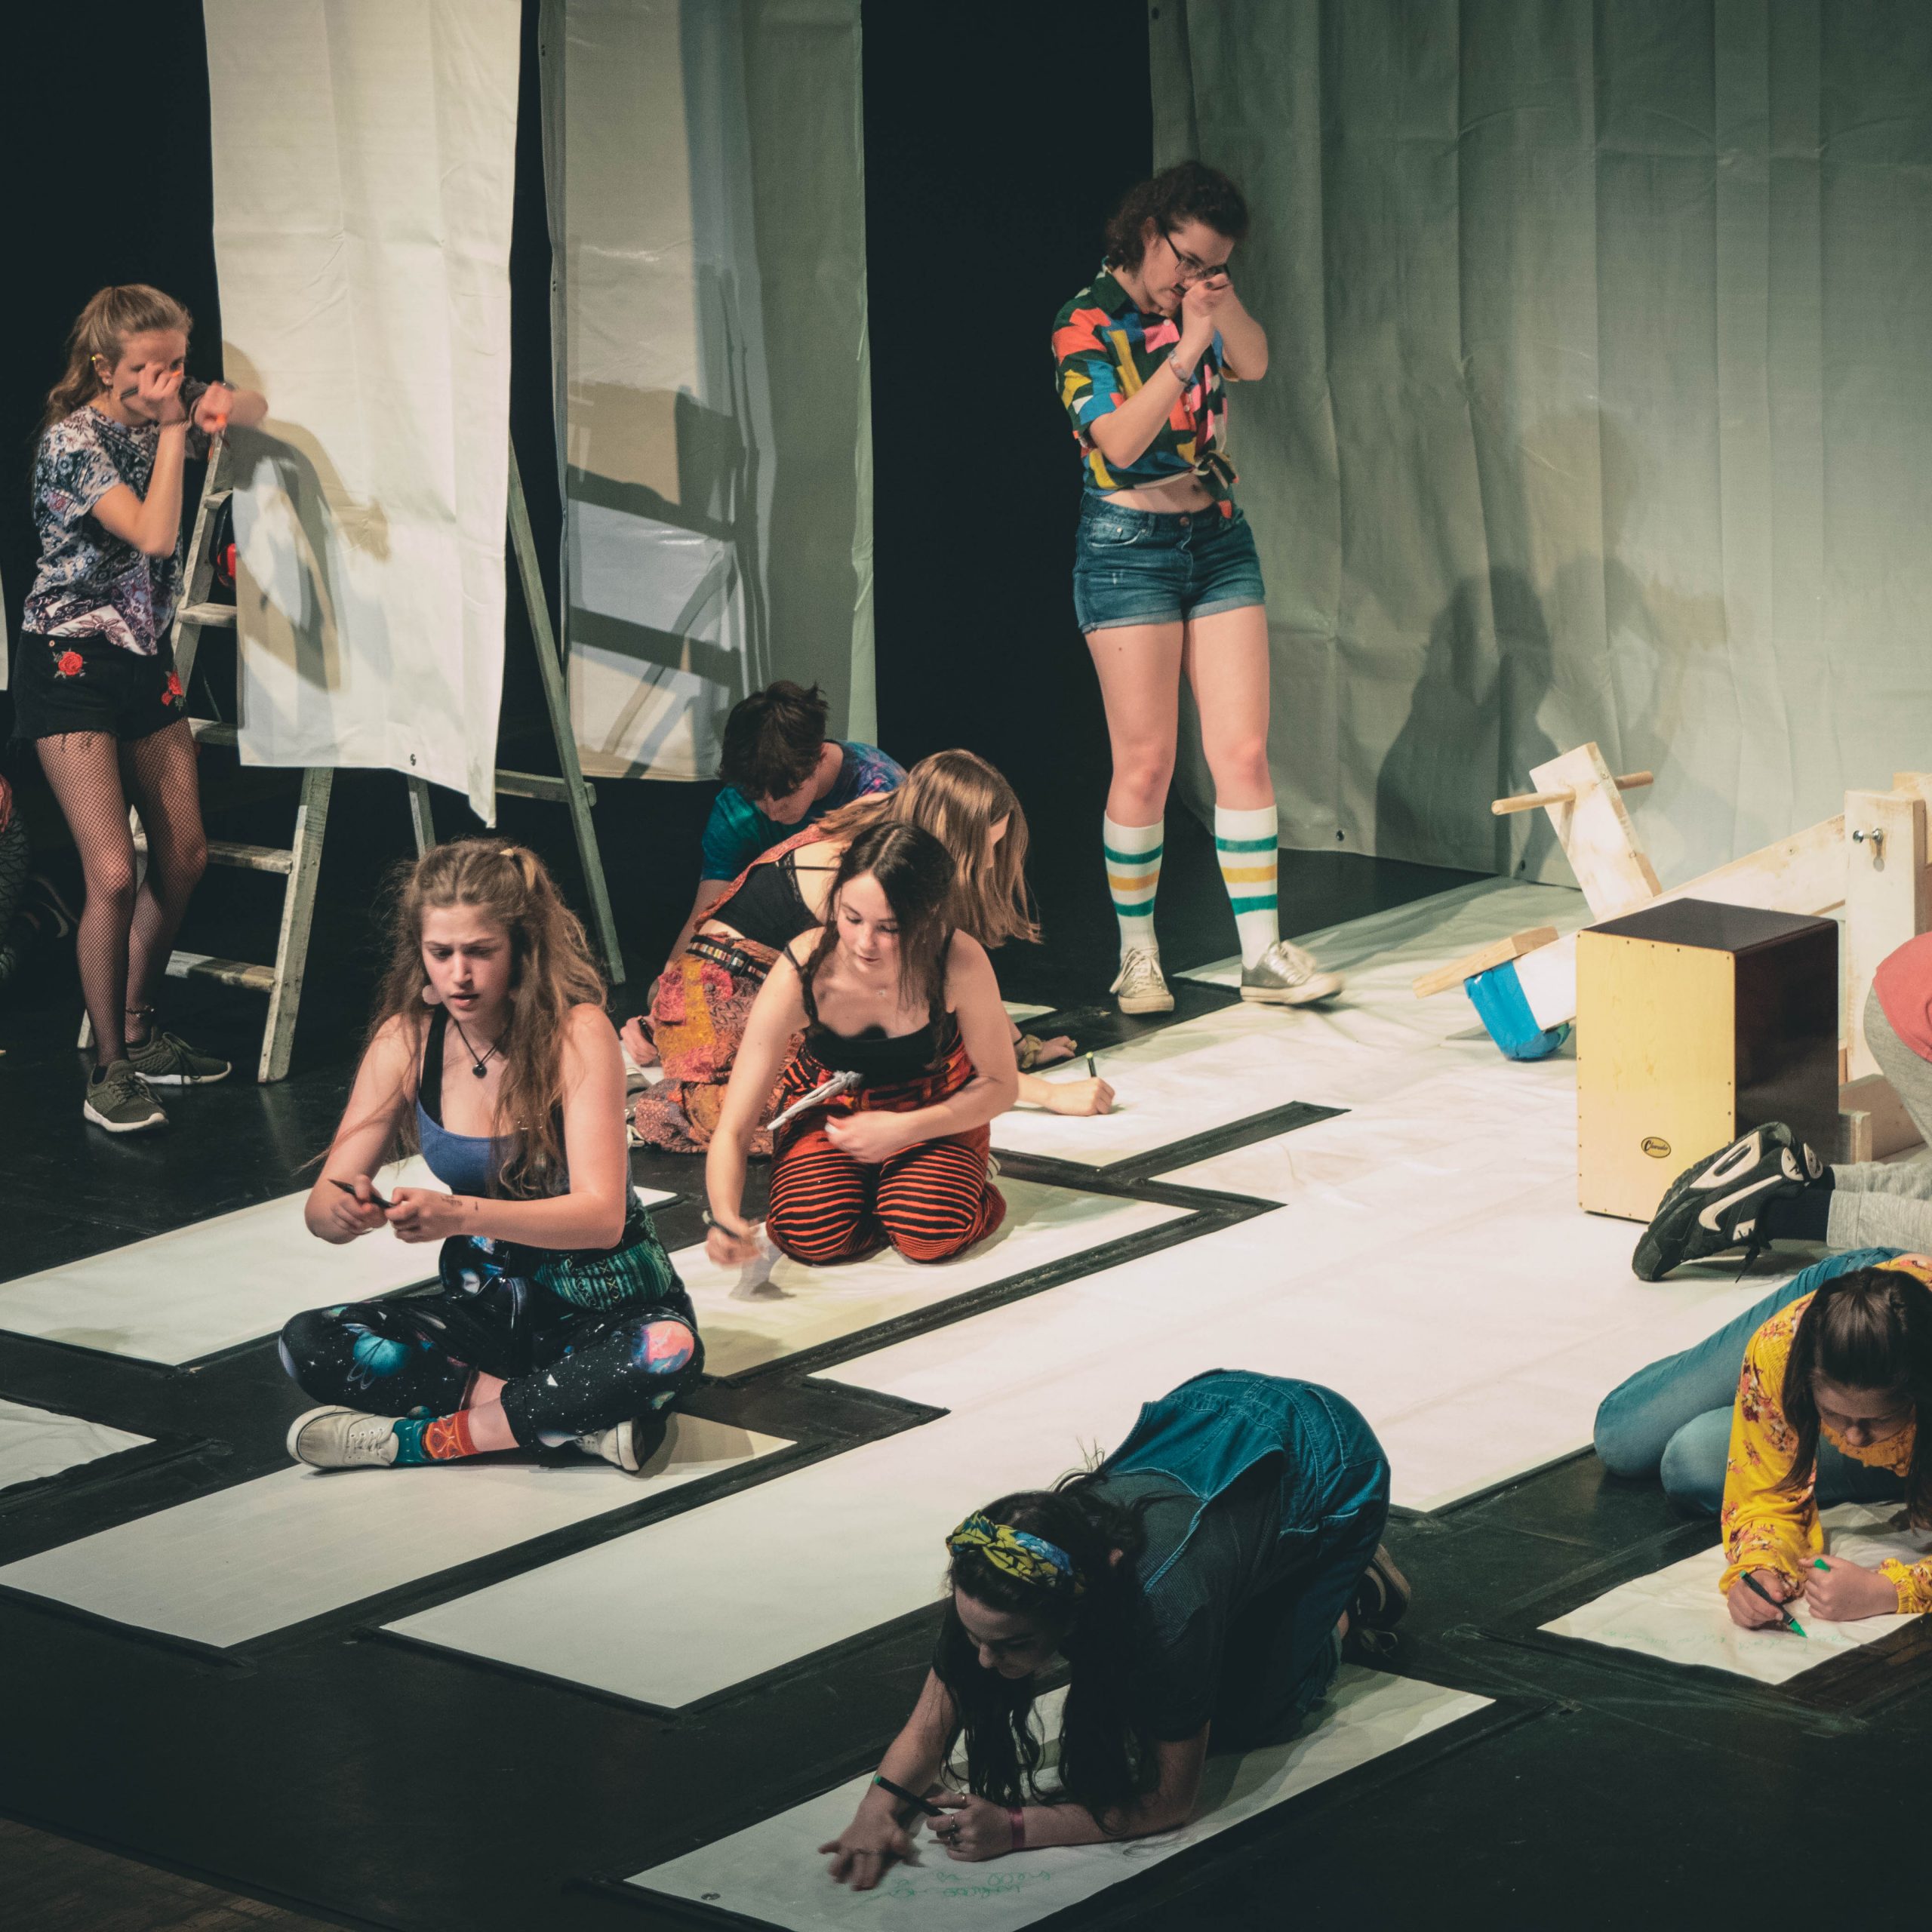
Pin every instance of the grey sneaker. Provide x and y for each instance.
(629, 1445)
(118, 1098)
(1138, 986)
(1286, 976)
(343, 1439)
(166, 1059)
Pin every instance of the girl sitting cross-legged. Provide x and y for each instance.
(560, 1319)
(1197, 1584)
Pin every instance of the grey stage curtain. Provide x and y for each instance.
(707, 219)
(1599, 404)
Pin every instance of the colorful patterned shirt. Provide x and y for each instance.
(1766, 1528)
(1104, 349)
(91, 582)
(737, 831)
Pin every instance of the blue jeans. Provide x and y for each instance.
(1672, 1419)
(1156, 567)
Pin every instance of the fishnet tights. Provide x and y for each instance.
(125, 932)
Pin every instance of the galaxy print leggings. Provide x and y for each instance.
(567, 1370)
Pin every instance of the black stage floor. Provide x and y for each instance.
(374, 1783)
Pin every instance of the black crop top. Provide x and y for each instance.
(876, 1055)
(768, 909)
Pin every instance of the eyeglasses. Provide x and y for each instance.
(1192, 269)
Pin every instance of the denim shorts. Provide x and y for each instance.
(1154, 566)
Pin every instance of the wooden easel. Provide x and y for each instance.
(299, 863)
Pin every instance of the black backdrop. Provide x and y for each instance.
(991, 160)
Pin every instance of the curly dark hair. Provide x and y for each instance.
(1869, 1328)
(1108, 1756)
(773, 739)
(1189, 191)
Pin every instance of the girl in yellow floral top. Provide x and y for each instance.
(1851, 1362)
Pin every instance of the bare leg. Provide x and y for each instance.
(1139, 666)
(160, 776)
(489, 1427)
(1226, 660)
(82, 768)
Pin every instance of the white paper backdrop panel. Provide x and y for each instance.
(36, 1442)
(364, 169)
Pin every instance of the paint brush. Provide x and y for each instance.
(1785, 1616)
(905, 1797)
(349, 1187)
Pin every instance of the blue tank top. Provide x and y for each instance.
(464, 1163)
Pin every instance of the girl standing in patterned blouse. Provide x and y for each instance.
(1165, 577)
(94, 683)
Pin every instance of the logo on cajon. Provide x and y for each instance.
(1655, 1146)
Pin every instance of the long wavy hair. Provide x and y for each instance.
(1869, 1328)
(111, 316)
(552, 970)
(1108, 1758)
(914, 872)
(959, 798)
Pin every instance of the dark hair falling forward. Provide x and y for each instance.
(1870, 1328)
(1107, 1758)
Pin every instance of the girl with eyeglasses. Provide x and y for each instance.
(1810, 1398)
(1166, 582)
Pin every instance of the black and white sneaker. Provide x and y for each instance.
(1382, 1595)
(1717, 1203)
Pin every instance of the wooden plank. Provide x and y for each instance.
(1496, 953)
(1599, 838)
(1884, 899)
(1889, 1129)
(1804, 873)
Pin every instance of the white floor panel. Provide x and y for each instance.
(235, 1565)
(194, 1290)
(754, 1315)
(1677, 1614)
(35, 1443)
(772, 1873)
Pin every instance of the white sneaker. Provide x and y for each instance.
(629, 1445)
(1286, 976)
(337, 1438)
(1138, 986)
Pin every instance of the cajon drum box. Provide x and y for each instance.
(1696, 1023)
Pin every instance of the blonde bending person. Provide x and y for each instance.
(704, 998)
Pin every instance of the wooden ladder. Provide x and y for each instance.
(299, 862)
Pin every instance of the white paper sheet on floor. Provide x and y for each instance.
(177, 1296)
(1678, 1614)
(35, 1443)
(771, 1872)
(777, 1307)
(1430, 1262)
(263, 1554)
(364, 164)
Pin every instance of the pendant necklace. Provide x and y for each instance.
(478, 1066)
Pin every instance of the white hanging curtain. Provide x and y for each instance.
(364, 166)
(713, 402)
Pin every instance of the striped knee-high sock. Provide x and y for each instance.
(1133, 871)
(1247, 845)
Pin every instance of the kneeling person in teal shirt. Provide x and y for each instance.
(780, 771)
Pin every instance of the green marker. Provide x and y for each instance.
(1818, 1563)
(1758, 1589)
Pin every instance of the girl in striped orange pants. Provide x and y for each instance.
(895, 997)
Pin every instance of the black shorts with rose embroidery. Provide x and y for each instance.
(89, 683)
